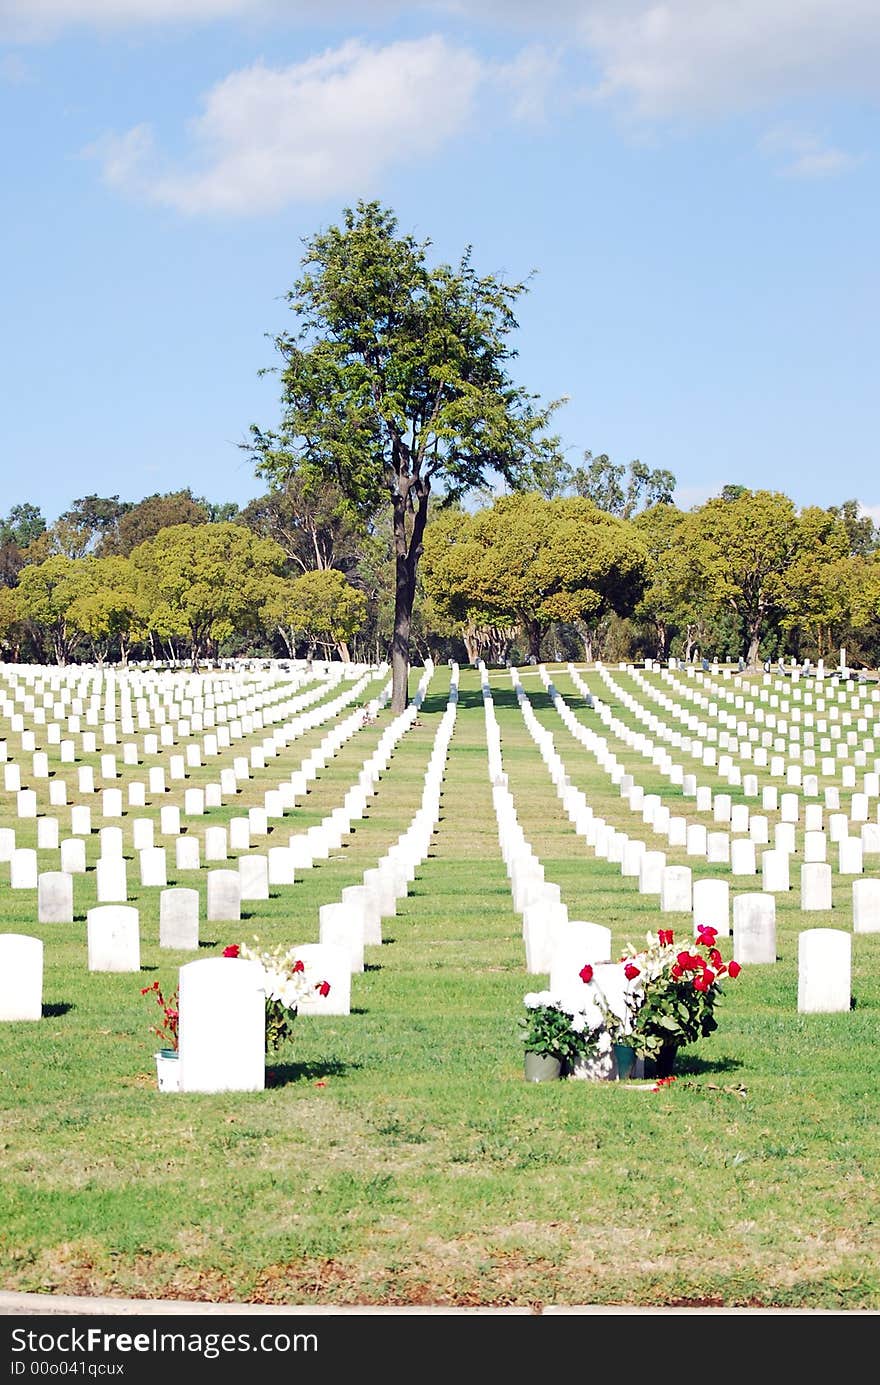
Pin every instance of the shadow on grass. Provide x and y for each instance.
(58, 1007)
(688, 1064)
(284, 1074)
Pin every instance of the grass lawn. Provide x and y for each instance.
(397, 1156)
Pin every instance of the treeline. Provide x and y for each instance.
(593, 561)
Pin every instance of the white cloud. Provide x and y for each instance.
(800, 154)
(529, 79)
(324, 127)
(714, 56)
(36, 19)
(872, 512)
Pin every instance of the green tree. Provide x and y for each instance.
(96, 518)
(395, 382)
(108, 610)
(151, 515)
(45, 593)
(535, 562)
(740, 549)
(311, 520)
(319, 606)
(622, 490)
(205, 582)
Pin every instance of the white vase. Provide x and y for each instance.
(168, 1070)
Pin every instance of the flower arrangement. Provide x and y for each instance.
(563, 1028)
(671, 992)
(167, 1030)
(287, 985)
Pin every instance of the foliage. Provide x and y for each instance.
(395, 381)
(672, 992)
(168, 1029)
(533, 562)
(554, 1026)
(288, 982)
(320, 606)
(204, 581)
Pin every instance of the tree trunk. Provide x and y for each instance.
(661, 639)
(533, 630)
(754, 647)
(343, 652)
(405, 569)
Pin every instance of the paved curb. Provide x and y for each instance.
(19, 1304)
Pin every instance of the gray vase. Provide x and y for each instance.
(542, 1067)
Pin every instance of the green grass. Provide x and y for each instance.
(397, 1155)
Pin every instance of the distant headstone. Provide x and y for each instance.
(754, 928)
(113, 935)
(55, 897)
(179, 918)
(224, 896)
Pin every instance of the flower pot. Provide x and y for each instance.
(168, 1070)
(542, 1067)
(624, 1061)
(663, 1063)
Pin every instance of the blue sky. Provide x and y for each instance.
(694, 184)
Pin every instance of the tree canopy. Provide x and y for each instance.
(396, 380)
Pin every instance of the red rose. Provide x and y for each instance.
(733, 969)
(586, 974)
(676, 971)
(631, 972)
(707, 935)
(232, 950)
(299, 965)
(704, 980)
(715, 958)
(665, 937)
(686, 961)
(323, 988)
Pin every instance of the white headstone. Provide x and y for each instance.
(216, 1056)
(153, 867)
(23, 868)
(754, 928)
(179, 918)
(824, 971)
(342, 925)
(816, 886)
(55, 897)
(866, 905)
(186, 853)
(711, 905)
(574, 945)
(330, 963)
(111, 880)
(224, 896)
(113, 935)
(215, 844)
(676, 890)
(21, 977)
(743, 857)
(775, 873)
(254, 873)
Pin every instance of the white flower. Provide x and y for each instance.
(535, 999)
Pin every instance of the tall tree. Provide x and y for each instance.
(395, 382)
(312, 522)
(740, 547)
(535, 562)
(150, 516)
(97, 518)
(621, 490)
(204, 581)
